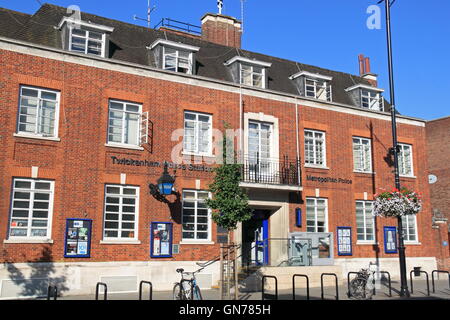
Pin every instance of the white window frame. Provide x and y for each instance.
(119, 237)
(57, 107)
(366, 93)
(364, 154)
(177, 57)
(324, 151)
(406, 229)
(315, 214)
(87, 39)
(196, 152)
(139, 130)
(195, 240)
(326, 86)
(364, 208)
(402, 162)
(32, 192)
(252, 72)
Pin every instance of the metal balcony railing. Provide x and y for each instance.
(271, 171)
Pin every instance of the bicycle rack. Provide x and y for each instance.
(307, 285)
(191, 284)
(151, 289)
(97, 289)
(428, 281)
(321, 284)
(389, 280)
(276, 286)
(52, 291)
(439, 271)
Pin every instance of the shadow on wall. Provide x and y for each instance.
(35, 283)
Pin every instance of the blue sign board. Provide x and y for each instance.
(78, 238)
(344, 241)
(161, 239)
(390, 240)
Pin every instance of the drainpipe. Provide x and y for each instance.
(298, 141)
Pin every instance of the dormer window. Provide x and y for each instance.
(85, 37)
(313, 85)
(174, 56)
(367, 97)
(248, 72)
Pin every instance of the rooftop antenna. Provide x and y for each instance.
(220, 5)
(149, 12)
(242, 15)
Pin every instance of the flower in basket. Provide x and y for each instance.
(397, 203)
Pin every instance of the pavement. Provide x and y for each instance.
(442, 292)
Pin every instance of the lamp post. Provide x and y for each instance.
(164, 186)
(395, 150)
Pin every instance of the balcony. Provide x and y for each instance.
(267, 173)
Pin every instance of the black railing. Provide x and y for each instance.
(178, 25)
(271, 171)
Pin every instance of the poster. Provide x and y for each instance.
(161, 240)
(78, 242)
(344, 241)
(390, 239)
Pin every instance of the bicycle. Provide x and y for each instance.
(362, 286)
(187, 288)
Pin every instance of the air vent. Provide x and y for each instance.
(176, 249)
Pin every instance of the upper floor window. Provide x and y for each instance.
(38, 112)
(248, 72)
(405, 161)
(126, 123)
(88, 42)
(174, 56)
(315, 151)
(367, 97)
(362, 154)
(197, 133)
(31, 209)
(313, 85)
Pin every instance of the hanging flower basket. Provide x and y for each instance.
(397, 203)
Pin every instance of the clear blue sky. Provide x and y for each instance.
(325, 33)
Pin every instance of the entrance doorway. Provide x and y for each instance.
(255, 235)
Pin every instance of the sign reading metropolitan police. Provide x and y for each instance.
(328, 180)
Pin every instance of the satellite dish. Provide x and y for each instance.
(432, 179)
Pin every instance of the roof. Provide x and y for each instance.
(129, 42)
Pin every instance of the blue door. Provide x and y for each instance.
(255, 239)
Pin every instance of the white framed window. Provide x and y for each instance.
(318, 89)
(372, 100)
(315, 148)
(38, 112)
(196, 217)
(124, 124)
(87, 41)
(365, 221)
(405, 160)
(121, 212)
(31, 209)
(197, 133)
(362, 154)
(409, 224)
(177, 60)
(252, 75)
(316, 215)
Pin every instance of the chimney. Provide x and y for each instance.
(364, 70)
(223, 30)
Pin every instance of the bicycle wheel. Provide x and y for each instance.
(177, 292)
(358, 288)
(197, 293)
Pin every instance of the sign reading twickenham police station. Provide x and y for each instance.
(157, 164)
(329, 180)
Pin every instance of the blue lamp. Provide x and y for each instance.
(166, 182)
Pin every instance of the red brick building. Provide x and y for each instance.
(438, 138)
(91, 109)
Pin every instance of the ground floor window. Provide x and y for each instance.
(121, 212)
(409, 223)
(196, 216)
(365, 221)
(31, 209)
(316, 215)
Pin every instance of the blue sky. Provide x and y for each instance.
(325, 33)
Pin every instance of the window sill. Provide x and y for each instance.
(27, 241)
(198, 155)
(366, 243)
(121, 146)
(408, 177)
(364, 172)
(196, 242)
(120, 242)
(311, 166)
(412, 243)
(29, 136)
